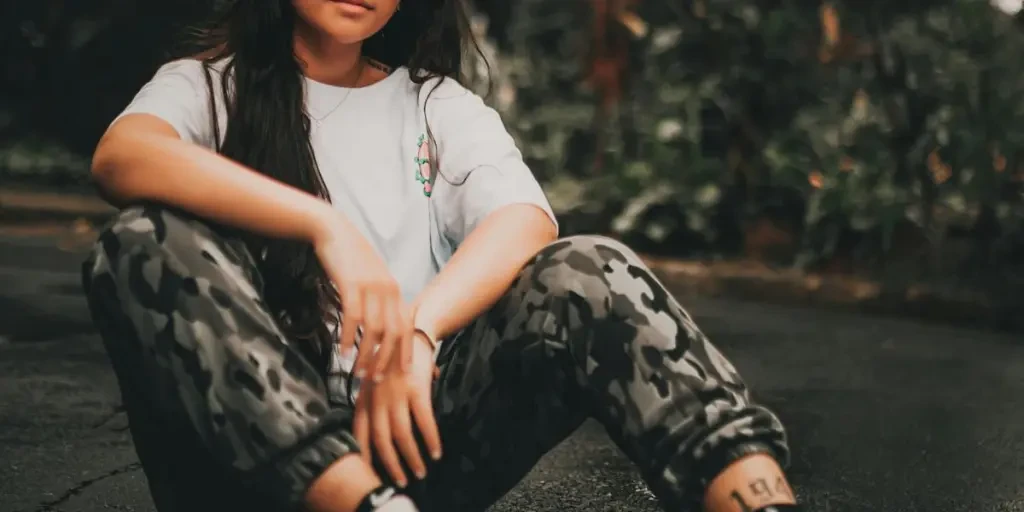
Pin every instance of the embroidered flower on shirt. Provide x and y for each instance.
(424, 172)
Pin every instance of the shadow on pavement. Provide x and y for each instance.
(26, 323)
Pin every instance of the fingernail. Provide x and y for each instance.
(436, 454)
(401, 484)
(378, 378)
(420, 475)
(360, 374)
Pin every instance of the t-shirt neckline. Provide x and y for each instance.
(315, 86)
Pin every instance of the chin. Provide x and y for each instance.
(342, 23)
(347, 31)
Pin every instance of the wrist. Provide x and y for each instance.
(425, 351)
(324, 223)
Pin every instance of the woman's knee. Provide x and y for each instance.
(597, 249)
(585, 265)
(145, 236)
(601, 277)
(159, 229)
(152, 264)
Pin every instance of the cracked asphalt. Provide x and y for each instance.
(884, 415)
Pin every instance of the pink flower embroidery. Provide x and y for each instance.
(424, 173)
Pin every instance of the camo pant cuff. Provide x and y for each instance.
(717, 461)
(290, 478)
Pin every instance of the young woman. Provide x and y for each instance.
(319, 176)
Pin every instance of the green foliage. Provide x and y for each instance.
(879, 116)
(42, 162)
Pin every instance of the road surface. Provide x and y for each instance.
(884, 415)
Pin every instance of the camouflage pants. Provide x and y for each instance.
(227, 414)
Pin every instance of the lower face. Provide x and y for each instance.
(345, 21)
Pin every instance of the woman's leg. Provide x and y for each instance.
(226, 414)
(587, 331)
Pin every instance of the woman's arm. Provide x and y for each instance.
(483, 268)
(491, 208)
(142, 157)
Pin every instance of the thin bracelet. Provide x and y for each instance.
(433, 348)
(430, 339)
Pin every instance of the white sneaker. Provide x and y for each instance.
(399, 504)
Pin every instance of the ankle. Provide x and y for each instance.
(343, 486)
(754, 483)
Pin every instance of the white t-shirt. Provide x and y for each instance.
(372, 149)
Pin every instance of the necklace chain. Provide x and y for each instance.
(319, 121)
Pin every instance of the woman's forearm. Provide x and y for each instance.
(141, 158)
(483, 268)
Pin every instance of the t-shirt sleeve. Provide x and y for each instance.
(480, 167)
(178, 94)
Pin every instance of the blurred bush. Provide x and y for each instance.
(869, 136)
(67, 68)
(873, 136)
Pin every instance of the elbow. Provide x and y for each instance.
(547, 225)
(102, 165)
(541, 228)
(551, 229)
(108, 168)
(126, 156)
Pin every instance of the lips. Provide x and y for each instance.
(355, 3)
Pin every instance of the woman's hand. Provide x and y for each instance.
(371, 299)
(385, 413)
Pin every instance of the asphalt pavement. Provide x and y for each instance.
(884, 415)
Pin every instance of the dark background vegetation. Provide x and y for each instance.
(880, 138)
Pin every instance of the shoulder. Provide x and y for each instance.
(453, 110)
(441, 95)
(179, 93)
(445, 88)
(191, 71)
(185, 68)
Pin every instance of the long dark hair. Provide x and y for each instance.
(268, 128)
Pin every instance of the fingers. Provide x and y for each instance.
(405, 348)
(361, 424)
(423, 413)
(392, 337)
(385, 421)
(384, 324)
(373, 331)
(352, 305)
(401, 431)
(381, 426)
